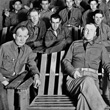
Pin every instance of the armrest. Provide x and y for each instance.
(17, 81)
(25, 85)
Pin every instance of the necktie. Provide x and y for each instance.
(69, 14)
(85, 45)
(19, 50)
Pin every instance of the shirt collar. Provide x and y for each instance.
(58, 30)
(15, 47)
(90, 42)
(37, 25)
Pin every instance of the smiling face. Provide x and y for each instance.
(17, 5)
(93, 5)
(69, 3)
(34, 16)
(21, 36)
(90, 32)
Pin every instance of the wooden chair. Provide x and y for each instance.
(18, 91)
(50, 93)
(6, 32)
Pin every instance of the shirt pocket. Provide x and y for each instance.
(8, 62)
(95, 55)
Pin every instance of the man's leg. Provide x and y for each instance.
(87, 92)
(3, 98)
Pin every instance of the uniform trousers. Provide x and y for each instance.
(86, 90)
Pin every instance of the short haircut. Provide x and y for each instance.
(20, 27)
(98, 12)
(72, 0)
(33, 10)
(92, 0)
(46, 0)
(17, 1)
(56, 16)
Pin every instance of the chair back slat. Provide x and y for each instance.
(4, 33)
(60, 81)
(52, 74)
(42, 73)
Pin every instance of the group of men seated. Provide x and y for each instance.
(51, 30)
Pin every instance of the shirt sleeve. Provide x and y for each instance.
(32, 64)
(1, 57)
(105, 60)
(67, 61)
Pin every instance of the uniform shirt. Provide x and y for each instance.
(12, 62)
(104, 34)
(75, 16)
(51, 38)
(77, 57)
(15, 18)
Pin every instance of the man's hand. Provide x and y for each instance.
(37, 81)
(7, 13)
(5, 82)
(77, 74)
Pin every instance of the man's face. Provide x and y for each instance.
(55, 23)
(17, 6)
(90, 32)
(98, 18)
(69, 3)
(34, 16)
(20, 37)
(77, 2)
(45, 4)
(93, 5)
(99, 1)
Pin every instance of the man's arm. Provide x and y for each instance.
(105, 59)
(3, 80)
(67, 62)
(33, 69)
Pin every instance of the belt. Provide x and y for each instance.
(89, 69)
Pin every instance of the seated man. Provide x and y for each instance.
(37, 29)
(104, 29)
(46, 12)
(17, 15)
(87, 15)
(71, 15)
(56, 38)
(81, 64)
(13, 56)
(71, 18)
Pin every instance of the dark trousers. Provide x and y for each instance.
(3, 98)
(87, 92)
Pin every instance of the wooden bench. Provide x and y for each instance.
(50, 94)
